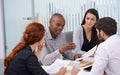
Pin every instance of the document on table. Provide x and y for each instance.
(55, 67)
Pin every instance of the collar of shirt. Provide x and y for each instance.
(48, 35)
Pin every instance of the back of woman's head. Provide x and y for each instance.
(92, 11)
(34, 32)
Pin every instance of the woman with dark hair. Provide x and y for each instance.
(23, 58)
(85, 35)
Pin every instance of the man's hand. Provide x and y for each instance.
(68, 46)
(77, 56)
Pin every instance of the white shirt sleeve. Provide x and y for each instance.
(100, 61)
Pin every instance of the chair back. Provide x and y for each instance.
(69, 36)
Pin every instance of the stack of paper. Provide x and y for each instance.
(55, 67)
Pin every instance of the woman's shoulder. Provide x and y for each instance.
(25, 53)
(78, 29)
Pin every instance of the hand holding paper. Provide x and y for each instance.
(88, 54)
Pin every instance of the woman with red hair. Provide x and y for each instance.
(23, 58)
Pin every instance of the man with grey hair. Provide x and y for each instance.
(55, 43)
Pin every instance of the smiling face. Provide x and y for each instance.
(56, 25)
(90, 20)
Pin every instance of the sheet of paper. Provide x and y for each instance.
(87, 54)
(90, 52)
(55, 67)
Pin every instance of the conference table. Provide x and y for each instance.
(69, 64)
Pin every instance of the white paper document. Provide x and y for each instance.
(88, 54)
(55, 67)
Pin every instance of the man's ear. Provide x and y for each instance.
(102, 33)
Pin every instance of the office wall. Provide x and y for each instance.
(1, 33)
(74, 10)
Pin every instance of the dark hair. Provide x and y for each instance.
(34, 32)
(94, 37)
(57, 14)
(92, 11)
(108, 25)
